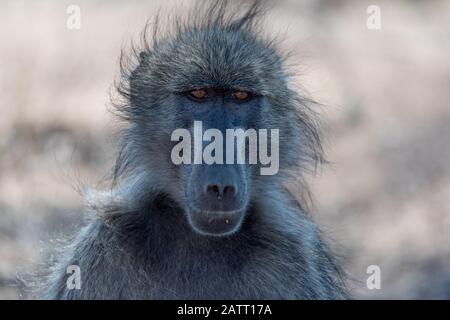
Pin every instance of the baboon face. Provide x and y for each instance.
(217, 195)
(223, 78)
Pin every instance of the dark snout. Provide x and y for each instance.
(218, 197)
(220, 187)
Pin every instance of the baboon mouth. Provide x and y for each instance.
(215, 223)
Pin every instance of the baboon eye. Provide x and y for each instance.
(198, 93)
(241, 95)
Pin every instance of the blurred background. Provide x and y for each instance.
(383, 200)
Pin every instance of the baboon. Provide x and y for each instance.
(204, 231)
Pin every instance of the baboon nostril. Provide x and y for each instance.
(219, 191)
(229, 190)
(214, 190)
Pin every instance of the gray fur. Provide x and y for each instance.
(137, 242)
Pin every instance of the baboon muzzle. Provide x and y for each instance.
(218, 197)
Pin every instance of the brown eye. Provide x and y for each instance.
(198, 93)
(241, 95)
